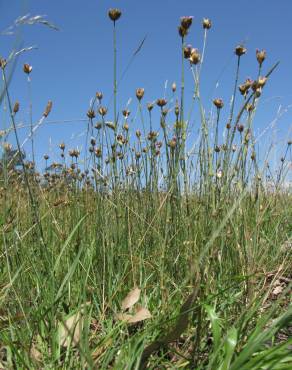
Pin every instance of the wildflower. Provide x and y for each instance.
(27, 68)
(261, 56)
(218, 103)
(161, 102)
(114, 14)
(207, 24)
(195, 57)
(240, 50)
(140, 93)
(90, 114)
(48, 109)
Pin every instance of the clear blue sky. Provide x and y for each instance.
(70, 65)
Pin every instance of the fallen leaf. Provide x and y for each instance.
(278, 290)
(141, 315)
(131, 298)
(70, 330)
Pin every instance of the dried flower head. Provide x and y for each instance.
(110, 125)
(161, 102)
(207, 24)
(90, 114)
(98, 125)
(102, 111)
(126, 113)
(99, 96)
(138, 134)
(27, 68)
(261, 56)
(187, 51)
(240, 127)
(98, 152)
(114, 14)
(218, 103)
(48, 108)
(186, 22)
(46, 157)
(182, 31)
(16, 107)
(173, 87)
(240, 50)
(195, 56)
(3, 63)
(245, 86)
(172, 143)
(62, 146)
(150, 106)
(140, 93)
(176, 109)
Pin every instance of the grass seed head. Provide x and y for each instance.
(140, 93)
(16, 107)
(240, 50)
(261, 56)
(102, 111)
(195, 56)
(187, 51)
(218, 103)
(186, 22)
(207, 24)
(114, 14)
(27, 68)
(90, 114)
(48, 109)
(161, 102)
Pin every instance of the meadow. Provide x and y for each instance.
(148, 249)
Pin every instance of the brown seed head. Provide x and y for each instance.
(46, 157)
(48, 108)
(3, 63)
(195, 56)
(182, 31)
(27, 68)
(261, 56)
(150, 106)
(99, 96)
(114, 14)
(90, 114)
(218, 103)
(240, 50)
(161, 102)
(187, 51)
(207, 24)
(16, 107)
(138, 134)
(126, 113)
(102, 111)
(140, 93)
(98, 125)
(62, 146)
(240, 128)
(186, 22)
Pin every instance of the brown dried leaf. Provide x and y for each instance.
(131, 298)
(141, 315)
(70, 330)
(278, 290)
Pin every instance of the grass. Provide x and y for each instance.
(142, 256)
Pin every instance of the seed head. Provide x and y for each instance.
(98, 152)
(99, 96)
(16, 107)
(114, 14)
(261, 56)
(187, 51)
(90, 114)
(218, 103)
(3, 63)
(46, 157)
(126, 113)
(140, 93)
(289, 142)
(207, 24)
(195, 56)
(27, 68)
(161, 102)
(173, 87)
(98, 125)
(48, 108)
(240, 50)
(186, 22)
(182, 31)
(240, 128)
(138, 134)
(62, 146)
(150, 106)
(102, 111)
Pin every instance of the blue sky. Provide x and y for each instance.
(70, 65)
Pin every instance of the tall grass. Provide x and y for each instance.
(194, 226)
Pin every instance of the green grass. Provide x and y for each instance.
(205, 240)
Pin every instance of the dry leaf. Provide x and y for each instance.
(131, 298)
(278, 290)
(70, 330)
(141, 315)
